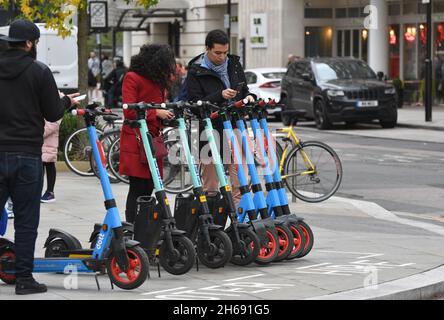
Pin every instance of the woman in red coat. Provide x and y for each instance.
(147, 80)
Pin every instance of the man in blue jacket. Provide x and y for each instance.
(28, 95)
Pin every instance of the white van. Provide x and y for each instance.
(59, 54)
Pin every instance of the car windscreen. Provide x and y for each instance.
(273, 75)
(332, 70)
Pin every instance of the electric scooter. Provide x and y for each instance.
(245, 242)
(124, 260)
(285, 213)
(155, 226)
(286, 238)
(247, 211)
(192, 214)
(275, 207)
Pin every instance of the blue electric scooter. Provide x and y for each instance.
(125, 262)
(285, 213)
(286, 238)
(275, 199)
(248, 211)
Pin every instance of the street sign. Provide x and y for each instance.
(98, 16)
(258, 30)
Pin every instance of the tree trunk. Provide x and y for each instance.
(82, 38)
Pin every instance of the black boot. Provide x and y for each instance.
(29, 286)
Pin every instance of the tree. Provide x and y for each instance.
(58, 15)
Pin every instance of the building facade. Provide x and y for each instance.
(389, 34)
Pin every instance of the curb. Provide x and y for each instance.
(419, 126)
(421, 286)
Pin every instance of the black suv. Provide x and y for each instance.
(337, 89)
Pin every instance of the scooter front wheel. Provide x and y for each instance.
(248, 248)
(308, 233)
(286, 241)
(7, 255)
(137, 272)
(218, 253)
(269, 252)
(299, 241)
(181, 259)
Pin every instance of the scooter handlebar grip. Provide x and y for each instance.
(214, 116)
(239, 104)
(78, 112)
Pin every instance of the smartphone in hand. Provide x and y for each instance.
(239, 87)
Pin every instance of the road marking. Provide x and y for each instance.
(376, 211)
(247, 277)
(161, 291)
(365, 255)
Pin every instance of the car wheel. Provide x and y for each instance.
(388, 124)
(322, 122)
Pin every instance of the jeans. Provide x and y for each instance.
(21, 178)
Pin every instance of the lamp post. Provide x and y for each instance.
(428, 64)
(227, 19)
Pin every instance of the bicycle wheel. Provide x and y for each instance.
(106, 139)
(176, 174)
(77, 151)
(312, 171)
(114, 161)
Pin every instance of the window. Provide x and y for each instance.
(316, 13)
(318, 41)
(273, 75)
(251, 77)
(394, 8)
(354, 12)
(341, 12)
(394, 51)
(438, 6)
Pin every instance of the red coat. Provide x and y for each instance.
(136, 88)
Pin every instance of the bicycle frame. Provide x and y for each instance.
(311, 169)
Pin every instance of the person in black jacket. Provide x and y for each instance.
(28, 95)
(218, 77)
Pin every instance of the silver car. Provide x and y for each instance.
(266, 84)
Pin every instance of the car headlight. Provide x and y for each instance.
(390, 91)
(335, 93)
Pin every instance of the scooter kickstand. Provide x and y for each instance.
(96, 276)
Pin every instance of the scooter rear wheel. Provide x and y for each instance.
(299, 241)
(269, 253)
(137, 272)
(286, 241)
(182, 259)
(249, 247)
(7, 278)
(54, 249)
(220, 252)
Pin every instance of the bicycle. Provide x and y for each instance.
(312, 170)
(77, 149)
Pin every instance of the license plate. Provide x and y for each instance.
(365, 104)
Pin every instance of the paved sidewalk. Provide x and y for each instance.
(359, 246)
(414, 117)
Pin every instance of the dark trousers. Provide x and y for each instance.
(137, 187)
(50, 169)
(21, 178)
